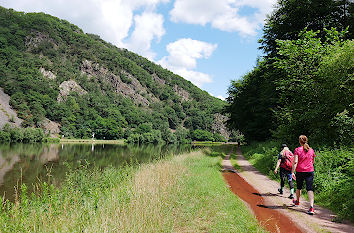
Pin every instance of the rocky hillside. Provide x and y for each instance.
(57, 74)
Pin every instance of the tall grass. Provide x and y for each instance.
(185, 193)
(334, 174)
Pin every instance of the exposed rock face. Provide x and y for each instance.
(51, 127)
(133, 90)
(68, 86)
(7, 114)
(36, 38)
(47, 74)
(157, 79)
(181, 92)
(219, 125)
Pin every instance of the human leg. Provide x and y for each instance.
(299, 184)
(282, 180)
(309, 188)
(311, 197)
(298, 194)
(291, 185)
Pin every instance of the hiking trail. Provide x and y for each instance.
(274, 211)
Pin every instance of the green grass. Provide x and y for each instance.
(206, 143)
(90, 141)
(334, 174)
(51, 140)
(184, 193)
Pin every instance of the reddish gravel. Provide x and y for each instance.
(270, 219)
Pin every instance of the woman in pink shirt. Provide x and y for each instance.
(303, 165)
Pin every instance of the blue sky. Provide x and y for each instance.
(208, 42)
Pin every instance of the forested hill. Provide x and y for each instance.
(57, 75)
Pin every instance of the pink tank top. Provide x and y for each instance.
(305, 159)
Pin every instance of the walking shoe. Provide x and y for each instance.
(280, 190)
(296, 202)
(311, 211)
(291, 196)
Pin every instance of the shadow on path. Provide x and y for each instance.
(269, 218)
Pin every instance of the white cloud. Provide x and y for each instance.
(222, 14)
(220, 97)
(182, 59)
(111, 19)
(148, 26)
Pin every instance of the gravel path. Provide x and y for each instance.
(269, 199)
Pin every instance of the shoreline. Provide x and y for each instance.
(90, 141)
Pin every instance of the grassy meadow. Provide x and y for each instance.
(184, 193)
(334, 174)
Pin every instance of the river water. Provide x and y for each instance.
(32, 164)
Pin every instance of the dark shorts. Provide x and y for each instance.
(285, 174)
(304, 176)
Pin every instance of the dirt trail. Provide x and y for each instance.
(275, 211)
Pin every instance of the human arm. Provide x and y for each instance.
(276, 168)
(296, 160)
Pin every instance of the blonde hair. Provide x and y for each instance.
(304, 142)
(282, 153)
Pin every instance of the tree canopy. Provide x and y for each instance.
(304, 83)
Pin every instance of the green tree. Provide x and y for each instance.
(251, 102)
(317, 86)
(285, 24)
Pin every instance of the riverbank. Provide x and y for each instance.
(90, 141)
(122, 141)
(180, 193)
(207, 143)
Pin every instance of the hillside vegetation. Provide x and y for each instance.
(54, 72)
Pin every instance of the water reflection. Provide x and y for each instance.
(31, 163)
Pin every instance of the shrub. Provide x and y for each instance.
(218, 138)
(344, 126)
(51, 140)
(4, 136)
(202, 135)
(33, 135)
(134, 138)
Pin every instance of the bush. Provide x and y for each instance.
(218, 138)
(202, 135)
(33, 135)
(5, 136)
(334, 180)
(51, 140)
(344, 126)
(134, 138)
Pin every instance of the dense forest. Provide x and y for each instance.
(55, 72)
(304, 84)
